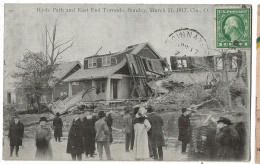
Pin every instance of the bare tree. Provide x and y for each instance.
(53, 48)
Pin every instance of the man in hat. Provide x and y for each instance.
(57, 123)
(102, 135)
(184, 129)
(156, 133)
(89, 134)
(128, 127)
(241, 129)
(227, 138)
(75, 137)
(16, 131)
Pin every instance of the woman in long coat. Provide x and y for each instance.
(141, 127)
(89, 135)
(43, 137)
(75, 138)
(57, 123)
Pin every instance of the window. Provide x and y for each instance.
(44, 99)
(20, 99)
(100, 87)
(108, 60)
(113, 61)
(219, 63)
(94, 60)
(75, 83)
(104, 61)
(233, 62)
(184, 63)
(90, 65)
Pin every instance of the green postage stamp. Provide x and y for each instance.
(233, 28)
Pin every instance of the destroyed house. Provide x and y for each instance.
(193, 69)
(118, 76)
(214, 62)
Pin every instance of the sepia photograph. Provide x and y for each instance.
(127, 82)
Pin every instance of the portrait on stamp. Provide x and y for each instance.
(233, 28)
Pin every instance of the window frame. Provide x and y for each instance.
(217, 66)
(90, 64)
(94, 60)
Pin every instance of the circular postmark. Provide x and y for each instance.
(187, 42)
(232, 27)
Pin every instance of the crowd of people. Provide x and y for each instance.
(143, 128)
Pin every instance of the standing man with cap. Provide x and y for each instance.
(227, 138)
(57, 123)
(102, 135)
(128, 127)
(16, 131)
(75, 137)
(184, 129)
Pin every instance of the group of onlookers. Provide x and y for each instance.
(86, 131)
(221, 139)
(143, 129)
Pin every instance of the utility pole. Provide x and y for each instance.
(225, 57)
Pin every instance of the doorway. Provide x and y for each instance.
(115, 89)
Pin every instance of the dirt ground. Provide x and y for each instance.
(27, 152)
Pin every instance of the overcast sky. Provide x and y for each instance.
(114, 31)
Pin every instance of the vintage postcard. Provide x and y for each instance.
(127, 82)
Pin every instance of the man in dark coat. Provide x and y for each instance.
(156, 133)
(89, 134)
(241, 129)
(109, 121)
(16, 131)
(132, 132)
(57, 123)
(227, 139)
(184, 129)
(75, 137)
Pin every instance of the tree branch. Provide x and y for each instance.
(63, 43)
